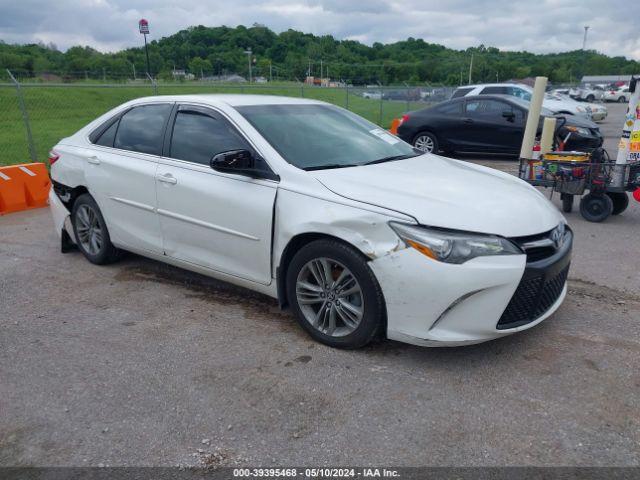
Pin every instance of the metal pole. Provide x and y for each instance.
(380, 116)
(153, 84)
(347, 91)
(146, 51)
(470, 69)
(25, 118)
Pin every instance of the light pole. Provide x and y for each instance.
(249, 53)
(584, 40)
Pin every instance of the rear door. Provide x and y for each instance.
(216, 220)
(120, 171)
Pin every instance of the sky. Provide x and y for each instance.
(540, 26)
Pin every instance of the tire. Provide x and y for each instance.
(620, 202)
(428, 142)
(622, 100)
(567, 202)
(88, 223)
(326, 302)
(596, 208)
(590, 98)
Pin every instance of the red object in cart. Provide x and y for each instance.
(636, 194)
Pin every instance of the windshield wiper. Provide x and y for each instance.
(328, 166)
(391, 158)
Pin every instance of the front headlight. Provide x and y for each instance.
(580, 130)
(581, 109)
(451, 246)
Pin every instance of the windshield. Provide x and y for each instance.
(314, 137)
(525, 104)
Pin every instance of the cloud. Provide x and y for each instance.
(541, 27)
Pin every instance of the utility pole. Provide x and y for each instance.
(133, 65)
(270, 71)
(321, 71)
(249, 53)
(470, 69)
(309, 69)
(584, 40)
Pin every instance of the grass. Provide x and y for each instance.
(58, 111)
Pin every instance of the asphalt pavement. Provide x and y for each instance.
(139, 363)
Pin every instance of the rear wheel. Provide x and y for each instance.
(335, 295)
(590, 98)
(622, 100)
(91, 231)
(620, 202)
(596, 208)
(426, 142)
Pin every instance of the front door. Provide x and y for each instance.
(216, 220)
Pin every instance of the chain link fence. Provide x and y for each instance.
(35, 116)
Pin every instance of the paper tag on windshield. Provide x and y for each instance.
(386, 136)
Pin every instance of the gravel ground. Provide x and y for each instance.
(144, 364)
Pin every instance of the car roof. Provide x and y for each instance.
(494, 85)
(233, 100)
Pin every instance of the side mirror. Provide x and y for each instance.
(509, 115)
(240, 162)
(233, 161)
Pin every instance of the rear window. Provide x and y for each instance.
(461, 92)
(142, 128)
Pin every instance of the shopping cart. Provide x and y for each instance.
(574, 173)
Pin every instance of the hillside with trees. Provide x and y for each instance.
(212, 51)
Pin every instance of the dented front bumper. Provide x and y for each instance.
(432, 303)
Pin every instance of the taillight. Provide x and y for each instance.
(53, 157)
(404, 118)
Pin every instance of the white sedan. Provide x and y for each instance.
(358, 233)
(620, 95)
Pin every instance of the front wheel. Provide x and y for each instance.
(335, 295)
(91, 232)
(590, 98)
(596, 208)
(622, 100)
(426, 142)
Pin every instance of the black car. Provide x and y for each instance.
(489, 124)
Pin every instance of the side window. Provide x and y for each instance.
(141, 129)
(197, 136)
(461, 92)
(108, 136)
(494, 91)
(520, 93)
(454, 108)
(485, 108)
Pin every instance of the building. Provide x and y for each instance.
(606, 79)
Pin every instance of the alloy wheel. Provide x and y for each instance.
(89, 229)
(330, 297)
(424, 143)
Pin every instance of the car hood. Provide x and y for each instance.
(447, 193)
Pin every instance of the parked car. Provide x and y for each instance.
(372, 95)
(587, 93)
(556, 105)
(620, 95)
(488, 124)
(563, 104)
(356, 231)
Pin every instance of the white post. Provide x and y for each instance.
(548, 130)
(533, 118)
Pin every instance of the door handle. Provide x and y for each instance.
(168, 178)
(467, 120)
(93, 160)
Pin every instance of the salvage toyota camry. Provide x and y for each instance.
(354, 230)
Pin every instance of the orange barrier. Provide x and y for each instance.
(23, 187)
(394, 126)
